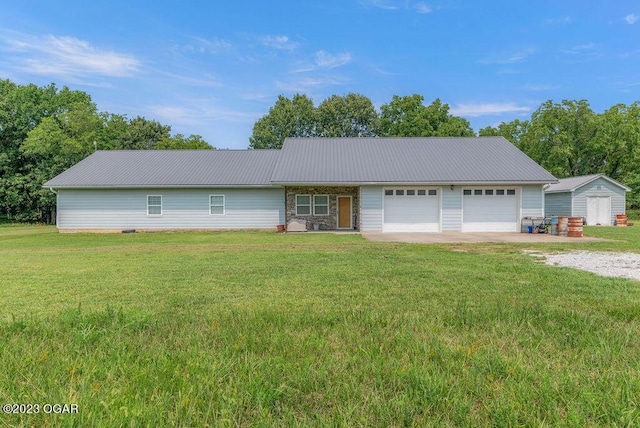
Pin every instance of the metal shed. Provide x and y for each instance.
(596, 197)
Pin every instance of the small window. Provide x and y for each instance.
(511, 192)
(399, 192)
(466, 192)
(320, 205)
(216, 204)
(433, 192)
(388, 192)
(303, 204)
(500, 192)
(411, 192)
(477, 192)
(154, 205)
(422, 192)
(488, 192)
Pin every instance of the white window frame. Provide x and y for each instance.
(304, 205)
(224, 209)
(321, 205)
(154, 205)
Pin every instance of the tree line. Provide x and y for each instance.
(45, 130)
(567, 138)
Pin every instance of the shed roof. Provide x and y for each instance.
(175, 168)
(405, 160)
(572, 183)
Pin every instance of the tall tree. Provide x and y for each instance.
(352, 115)
(407, 116)
(287, 118)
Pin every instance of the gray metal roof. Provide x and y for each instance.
(175, 168)
(572, 183)
(405, 160)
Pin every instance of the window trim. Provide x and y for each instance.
(224, 207)
(304, 205)
(154, 205)
(322, 205)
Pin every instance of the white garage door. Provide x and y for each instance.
(411, 210)
(599, 210)
(489, 210)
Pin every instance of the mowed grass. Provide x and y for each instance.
(266, 329)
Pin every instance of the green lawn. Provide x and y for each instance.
(264, 329)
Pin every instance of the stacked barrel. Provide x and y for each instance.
(621, 220)
(574, 227)
(562, 225)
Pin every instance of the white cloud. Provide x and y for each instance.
(488, 109)
(65, 56)
(213, 46)
(509, 57)
(327, 60)
(308, 83)
(278, 42)
(383, 4)
(423, 8)
(580, 49)
(540, 87)
(559, 21)
(631, 19)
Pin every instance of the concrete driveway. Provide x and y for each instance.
(459, 237)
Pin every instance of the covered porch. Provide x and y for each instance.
(322, 208)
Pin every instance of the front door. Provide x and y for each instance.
(344, 212)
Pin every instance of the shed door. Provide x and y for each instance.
(492, 209)
(411, 210)
(599, 210)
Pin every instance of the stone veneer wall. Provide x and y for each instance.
(326, 222)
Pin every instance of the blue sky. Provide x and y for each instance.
(213, 68)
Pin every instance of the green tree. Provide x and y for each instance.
(180, 142)
(294, 117)
(407, 116)
(352, 115)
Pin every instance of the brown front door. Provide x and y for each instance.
(344, 212)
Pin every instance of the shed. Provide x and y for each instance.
(596, 197)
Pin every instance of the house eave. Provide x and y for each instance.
(164, 186)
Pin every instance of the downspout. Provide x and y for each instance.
(55, 193)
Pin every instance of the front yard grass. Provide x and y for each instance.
(258, 328)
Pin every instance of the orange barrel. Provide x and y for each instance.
(621, 220)
(574, 227)
(562, 225)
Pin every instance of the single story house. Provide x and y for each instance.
(596, 197)
(366, 184)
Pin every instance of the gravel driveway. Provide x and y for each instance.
(624, 265)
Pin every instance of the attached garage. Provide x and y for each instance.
(493, 209)
(411, 209)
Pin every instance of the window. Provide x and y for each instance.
(422, 192)
(399, 192)
(388, 192)
(466, 192)
(411, 192)
(216, 204)
(303, 204)
(488, 192)
(154, 205)
(320, 205)
(432, 192)
(477, 192)
(511, 191)
(500, 192)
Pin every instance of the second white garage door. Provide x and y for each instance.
(490, 210)
(411, 210)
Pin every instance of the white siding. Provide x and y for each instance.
(181, 209)
(532, 201)
(452, 209)
(599, 187)
(371, 208)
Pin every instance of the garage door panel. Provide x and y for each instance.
(490, 213)
(411, 213)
